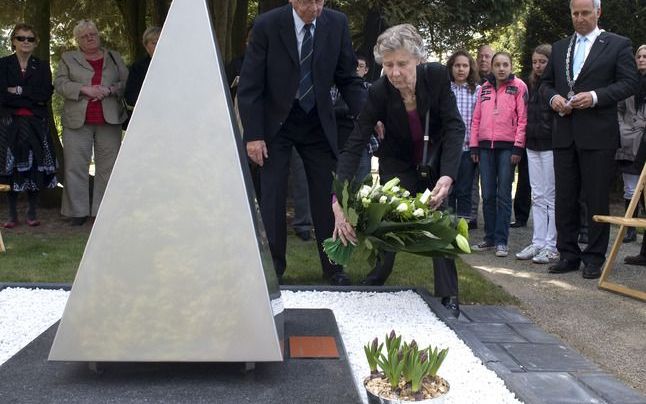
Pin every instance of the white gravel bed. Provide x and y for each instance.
(25, 314)
(361, 316)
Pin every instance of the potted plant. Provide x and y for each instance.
(404, 373)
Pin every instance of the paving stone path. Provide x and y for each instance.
(606, 328)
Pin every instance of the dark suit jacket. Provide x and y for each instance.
(36, 85)
(136, 76)
(446, 128)
(609, 70)
(271, 73)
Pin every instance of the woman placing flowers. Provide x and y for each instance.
(409, 97)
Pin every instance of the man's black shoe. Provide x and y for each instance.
(517, 224)
(339, 279)
(304, 235)
(452, 305)
(372, 281)
(78, 221)
(635, 260)
(564, 265)
(583, 238)
(591, 271)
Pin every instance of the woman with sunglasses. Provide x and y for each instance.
(27, 160)
(91, 80)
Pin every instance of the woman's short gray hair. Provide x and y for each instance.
(403, 36)
(150, 33)
(83, 26)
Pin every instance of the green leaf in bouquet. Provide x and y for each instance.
(352, 216)
(463, 228)
(463, 243)
(374, 214)
(395, 237)
(337, 252)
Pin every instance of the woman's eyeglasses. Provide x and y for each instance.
(21, 38)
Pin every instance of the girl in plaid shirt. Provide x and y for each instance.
(464, 83)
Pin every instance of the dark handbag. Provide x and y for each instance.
(427, 169)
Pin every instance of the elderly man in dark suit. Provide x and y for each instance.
(588, 73)
(296, 53)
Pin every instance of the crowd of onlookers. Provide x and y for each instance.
(97, 88)
(566, 127)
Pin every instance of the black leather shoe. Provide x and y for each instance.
(583, 238)
(452, 305)
(339, 279)
(517, 224)
(635, 260)
(591, 271)
(372, 281)
(631, 235)
(564, 265)
(304, 235)
(78, 221)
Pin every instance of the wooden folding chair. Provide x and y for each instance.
(626, 221)
(4, 188)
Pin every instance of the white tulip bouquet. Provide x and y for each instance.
(389, 218)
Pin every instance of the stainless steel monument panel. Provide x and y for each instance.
(176, 267)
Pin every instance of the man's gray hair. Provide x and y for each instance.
(403, 36)
(596, 4)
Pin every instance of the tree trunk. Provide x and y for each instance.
(134, 18)
(266, 5)
(222, 13)
(37, 13)
(373, 26)
(159, 10)
(239, 34)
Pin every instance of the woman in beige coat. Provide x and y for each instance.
(92, 81)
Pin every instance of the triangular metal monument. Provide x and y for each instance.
(177, 266)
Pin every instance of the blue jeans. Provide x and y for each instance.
(460, 198)
(496, 178)
(364, 166)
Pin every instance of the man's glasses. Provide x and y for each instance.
(21, 38)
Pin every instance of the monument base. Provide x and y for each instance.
(29, 377)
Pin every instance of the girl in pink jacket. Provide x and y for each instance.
(497, 141)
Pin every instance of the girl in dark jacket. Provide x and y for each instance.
(540, 160)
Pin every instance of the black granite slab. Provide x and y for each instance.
(29, 378)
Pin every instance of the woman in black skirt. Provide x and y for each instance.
(27, 160)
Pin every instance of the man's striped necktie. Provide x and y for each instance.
(306, 87)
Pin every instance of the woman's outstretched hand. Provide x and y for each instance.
(342, 229)
(440, 192)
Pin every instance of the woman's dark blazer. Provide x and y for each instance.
(36, 85)
(446, 128)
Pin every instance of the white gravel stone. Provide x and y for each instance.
(361, 316)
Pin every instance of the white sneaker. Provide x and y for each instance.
(501, 250)
(545, 256)
(528, 252)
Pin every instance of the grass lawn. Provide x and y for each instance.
(54, 257)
